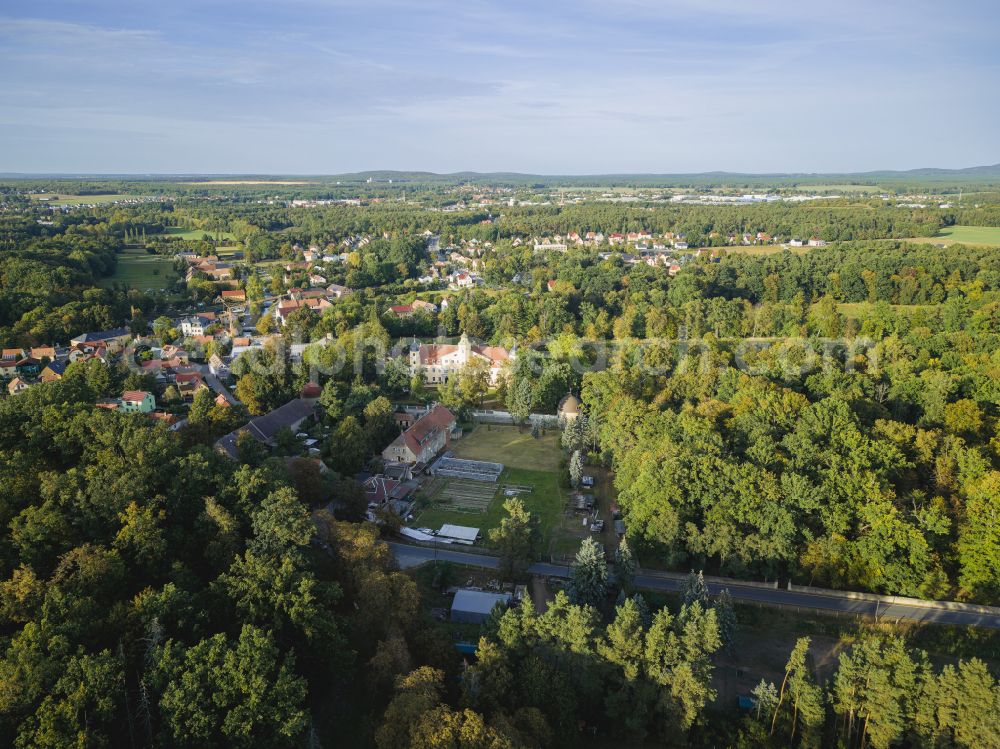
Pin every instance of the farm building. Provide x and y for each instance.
(474, 606)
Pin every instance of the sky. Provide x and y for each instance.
(539, 86)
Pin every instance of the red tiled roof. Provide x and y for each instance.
(134, 396)
(431, 353)
(438, 418)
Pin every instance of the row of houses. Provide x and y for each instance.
(22, 368)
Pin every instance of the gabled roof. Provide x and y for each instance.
(103, 335)
(422, 429)
(265, 428)
(134, 396)
(58, 366)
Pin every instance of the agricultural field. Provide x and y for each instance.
(982, 236)
(140, 270)
(867, 189)
(527, 462)
(60, 199)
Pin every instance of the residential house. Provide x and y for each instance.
(419, 305)
(233, 296)
(17, 385)
(218, 367)
(189, 383)
(337, 291)
(286, 308)
(194, 326)
(114, 340)
(29, 366)
(170, 420)
(429, 435)
(53, 371)
(402, 310)
(44, 352)
(265, 428)
(13, 353)
(84, 351)
(463, 281)
(137, 401)
(171, 351)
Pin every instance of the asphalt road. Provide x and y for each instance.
(413, 556)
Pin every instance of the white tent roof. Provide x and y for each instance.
(419, 535)
(460, 532)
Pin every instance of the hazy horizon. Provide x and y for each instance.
(390, 170)
(585, 88)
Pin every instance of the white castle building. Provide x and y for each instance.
(440, 361)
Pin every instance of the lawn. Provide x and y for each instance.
(985, 236)
(140, 270)
(865, 309)
(763, 249)
(177, 231)
(527, 461)
(513, 448)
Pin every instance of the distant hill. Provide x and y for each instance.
(977, 175)
(936, 178)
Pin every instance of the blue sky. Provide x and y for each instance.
(327, 86)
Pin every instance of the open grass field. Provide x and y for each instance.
(176, 231)
(866, 189)
(513, 448)
(981, 236)
(249, 182)
(140, 270)
(527, 461)
(863, 309)
(60, 199)
(764, 249)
